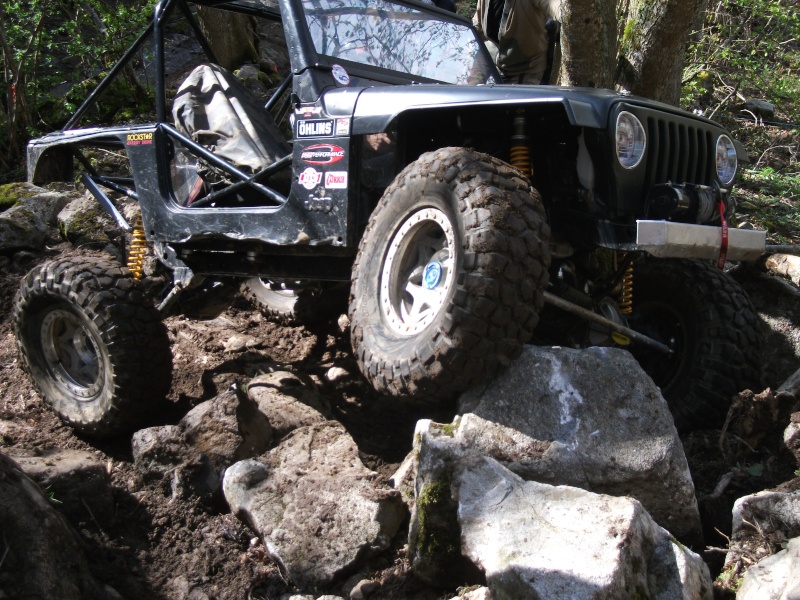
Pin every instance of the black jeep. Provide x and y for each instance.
(468, 217)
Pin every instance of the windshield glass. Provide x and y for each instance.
(398, 38)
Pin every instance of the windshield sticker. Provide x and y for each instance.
(310, 178)
(340, 75)
(315, 128)
(336, 180)
(322, 154)
(342, 126)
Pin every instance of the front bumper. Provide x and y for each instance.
(666, 239)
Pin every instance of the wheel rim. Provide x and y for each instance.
(418, 272)
(662, 323)
(71, 354)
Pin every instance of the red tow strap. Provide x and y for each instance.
(723, 247)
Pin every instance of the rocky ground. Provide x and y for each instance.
(158, 547)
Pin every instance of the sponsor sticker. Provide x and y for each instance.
(138, 139)
(322, 154)
(308, 111)
(310, 178)
(321, 204)
(336, 180)
(314, 128)
(342, 127)
(340, 75)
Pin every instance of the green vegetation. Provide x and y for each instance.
(750, 50)
(53, 54)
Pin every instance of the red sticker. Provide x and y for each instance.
(322, 154)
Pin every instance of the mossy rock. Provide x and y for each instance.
(11, 193)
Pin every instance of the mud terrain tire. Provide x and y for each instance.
(715, 331)
(93, 345)
(287, 306)
(448, 280)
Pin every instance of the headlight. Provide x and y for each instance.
(631, 140)
(726, 159)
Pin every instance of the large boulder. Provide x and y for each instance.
(76, 480)
(318, 509)
(587, 418)
(288, 401)
(776, 577)
(41, 555)
(25, 225)
(194, 454)
(535, 540)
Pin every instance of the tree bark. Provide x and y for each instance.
(232, 36)
(588, 43)
(653, 45)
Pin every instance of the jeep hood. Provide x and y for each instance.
(374, 109)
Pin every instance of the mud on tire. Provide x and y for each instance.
(287, 306)
(709, 320)
(93, 345)
(448, 281)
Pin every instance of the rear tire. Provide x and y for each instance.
(448, 281)
(93, 345)
(706, 316)
(288, 306)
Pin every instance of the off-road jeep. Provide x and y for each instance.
(468, 217)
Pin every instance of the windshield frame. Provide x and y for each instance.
(304, 56)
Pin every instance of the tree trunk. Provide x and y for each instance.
(232, 36)
(588, 43)
(652, 47)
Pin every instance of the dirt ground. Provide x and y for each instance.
(158, 547)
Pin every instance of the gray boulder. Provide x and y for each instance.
(76, 480)
(587, 418)
(84, 221)
(288, 401)
(193, 454)
(535, 540)
(776, 577)
(319, 510)
(42, 555)
(25, 225)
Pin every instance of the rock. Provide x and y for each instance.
(791, 436)
(85, 222)
(37, 539)
(588, 418)
(335, 374)
(775, 577)
(564, 542)
(25, 225)
(786, 265)
(318, 509)
(74, 479)
(760, 108)
(768, 512)
(778, 305)
(210, 437)
(476, 593)
(363, 589)
(288, 401)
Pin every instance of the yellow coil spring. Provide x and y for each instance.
(521, 158)
(137, 250)
(626, 296)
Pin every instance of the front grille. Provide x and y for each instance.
(678, 152)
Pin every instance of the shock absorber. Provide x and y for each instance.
(520, 152)
(137, 250)
(625, 300)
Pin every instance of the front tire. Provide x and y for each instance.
(449, 277)
(709, 321)
(93, 346)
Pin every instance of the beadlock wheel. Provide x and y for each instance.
(418, 271)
